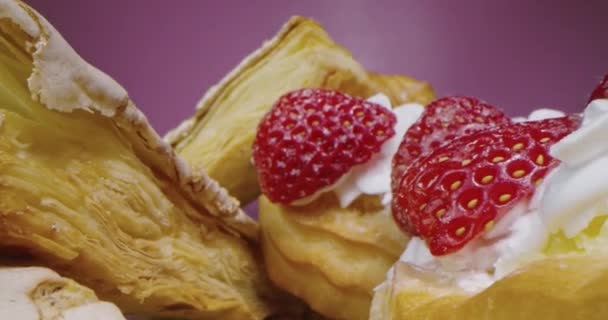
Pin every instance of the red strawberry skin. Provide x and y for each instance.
(601, 91)
(443, 120)
(462, 188)
(312, 137)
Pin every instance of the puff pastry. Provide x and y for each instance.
(333, 257)
(330, 257)
(88, 188)
(562, 287)
(220, 134)
(35, 293)
(549, 261)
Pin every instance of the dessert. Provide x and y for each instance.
(466, 187)
(220, 134)
(485, 216)
(89, 189)
(34, 293)
(517, 233)
(323, 161)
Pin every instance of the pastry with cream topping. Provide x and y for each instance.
(508, 222)
(467, 185)
(220, 136)
(323, 159)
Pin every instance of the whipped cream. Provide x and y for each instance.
(518, 237)
(374, 176)
(578, 189)
(540, 114)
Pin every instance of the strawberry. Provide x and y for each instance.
(312, 137)
(601, 91)
(465, 186)
(443, 120)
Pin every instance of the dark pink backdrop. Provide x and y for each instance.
(516, 54)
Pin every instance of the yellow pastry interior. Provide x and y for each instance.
(566, 279)
(331, 257)
(88, 192)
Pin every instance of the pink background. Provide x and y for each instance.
(515, 54)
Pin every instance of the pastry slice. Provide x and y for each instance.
(34, 293)
(329, 256)
(324, 159)
(515, 227)
(88, 188)
(219, 136)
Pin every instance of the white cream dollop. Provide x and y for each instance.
(518, 237)
(540, 114)
(374, 176)
(578, 189)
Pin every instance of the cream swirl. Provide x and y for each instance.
(374, 176)
(578, 189)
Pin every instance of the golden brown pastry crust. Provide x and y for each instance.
(334, 257)
(220, 134)
(89, 188)
(402, 89)
(561, 287)
(330, 257)
(62, 81)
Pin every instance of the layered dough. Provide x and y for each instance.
(34, 293)
(88, 188)
(560, 287)
(220, 134)
(330, 257)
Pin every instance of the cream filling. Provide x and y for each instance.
(16, 301)
(374, 176)
(578, 189)
(563, 202)
(489, 257)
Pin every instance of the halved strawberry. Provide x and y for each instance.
(443, 120)
(463, 187)
(311, 137)
(601, 91)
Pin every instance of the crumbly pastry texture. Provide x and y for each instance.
(315, 256)
(88, 188)
(330, 257)
(569, 286)
(35, 293)
(220, 134)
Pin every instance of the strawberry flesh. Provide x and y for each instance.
(443, 120)
(312, 137)
(601, 91)
(464, 187)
